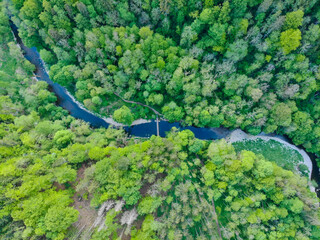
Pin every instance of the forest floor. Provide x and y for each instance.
(87, 214)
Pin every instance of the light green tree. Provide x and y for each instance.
(290, 40)
(294, 19)
(123, 115)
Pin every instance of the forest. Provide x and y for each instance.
(248, 64)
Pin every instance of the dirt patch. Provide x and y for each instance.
(87, 214)
(137, 224)
(59, 186)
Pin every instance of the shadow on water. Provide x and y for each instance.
(140, 130)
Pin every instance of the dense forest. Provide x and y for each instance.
(248, 64)
(41, 148)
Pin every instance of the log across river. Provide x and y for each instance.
(144, 129)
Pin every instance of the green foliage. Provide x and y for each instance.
(148, 205)
(123, 115)
(204, 63)
(294, 19)
(172, 112)
(63, 138)
(290, 40)
(281, 114)
(58, 220)
(247, 191)
(97, 153)
(241, 64)
(36, 177)
(65, 174)
(273, 151)
(47, 56)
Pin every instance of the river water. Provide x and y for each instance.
(66, 101)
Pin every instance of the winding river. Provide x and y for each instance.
(66, 101)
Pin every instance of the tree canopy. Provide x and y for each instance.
(205, 63)
(243, 64)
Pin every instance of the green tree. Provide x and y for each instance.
(145, 32)
(237, 50)
(31, 9)
(188, 36)
(172, 112)
(290, 40)
(294, 19)
(123, 115)
(148, 205)
(281, 114)
(63, 137)
(47, 56)
(97, 153)
(65, 174)
(59, 219)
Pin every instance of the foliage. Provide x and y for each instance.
(40, 150)
(241, 64)
(273, 151)
(181, 193)
(290, 40)
(123, 115)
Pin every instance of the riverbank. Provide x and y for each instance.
(238, 136)
(108, 120)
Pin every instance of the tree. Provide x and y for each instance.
(64, 75)
(58, 219)
(294, 19)
(31, 9)
(238, 8)
(290, 40)
(65, 174)
(15, 51)
(47, 56)
(148, 205)
(76, 153)
(47, 129)
(18, 3)
(237, 50)
(172, 112)
(96, 100)
(218, 37)
(4, 28)
(63, 137)
(97, 153)
(196, 146)
(281, 114)
(145, 32)
(188, 36)
(123, 115)
(263, 169)
(205, 118)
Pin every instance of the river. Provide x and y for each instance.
(66, 101)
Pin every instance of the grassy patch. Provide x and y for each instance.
(273, 151)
